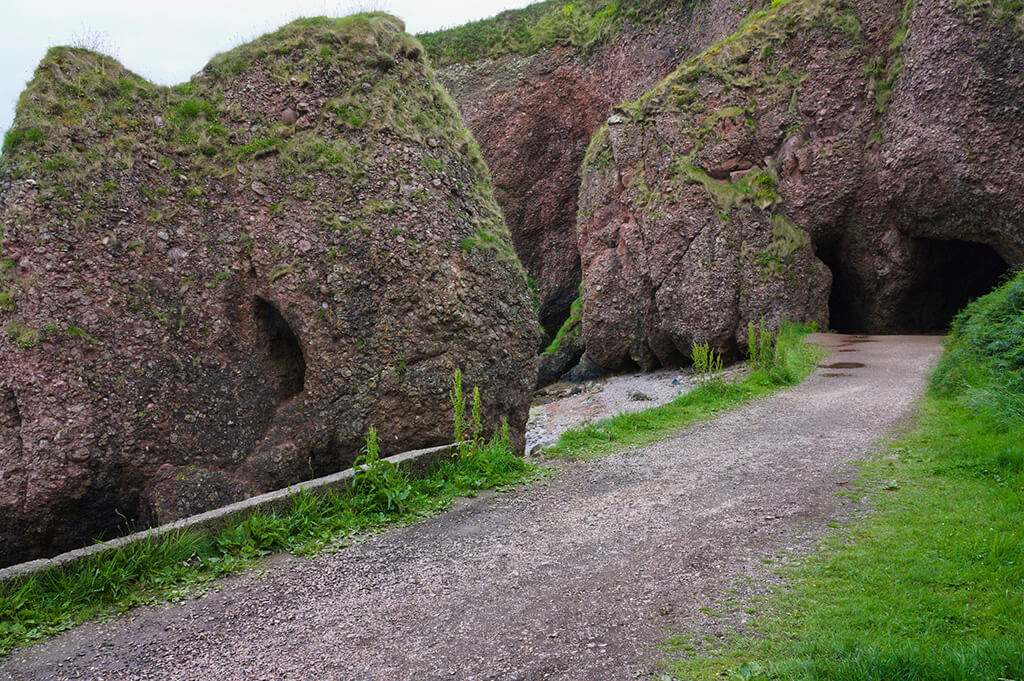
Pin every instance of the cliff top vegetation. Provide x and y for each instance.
(583, 24)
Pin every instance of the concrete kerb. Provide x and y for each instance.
(416, 461)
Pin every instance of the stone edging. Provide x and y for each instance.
(419, 460)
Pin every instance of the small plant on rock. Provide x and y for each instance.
(707, 362)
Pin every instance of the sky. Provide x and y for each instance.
(168, 41)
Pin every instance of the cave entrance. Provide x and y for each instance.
(285, 354)
(946, 275)
(941, 276)
(843, 305)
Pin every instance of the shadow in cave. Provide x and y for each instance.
(948, 274)
(283, 349)
(943, 277)
(843, 305)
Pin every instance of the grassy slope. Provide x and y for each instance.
(569, 330)
(582, 24)
(931, 585)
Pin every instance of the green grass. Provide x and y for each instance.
(930, 586)
(175, 567)
(583, 24)
(1001, 13)
(569, 330)
(792, 360)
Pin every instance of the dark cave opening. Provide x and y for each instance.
(939, 279)
(947, 274)
(283, 349)
(843, 313)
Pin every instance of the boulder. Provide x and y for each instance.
(214, 290)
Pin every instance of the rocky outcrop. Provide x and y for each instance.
(214, 290)
(534, 105)
(837, 161)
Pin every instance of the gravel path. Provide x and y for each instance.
(580, 578)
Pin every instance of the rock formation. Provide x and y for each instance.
(535, 84)
(841, 160)
(215, 289)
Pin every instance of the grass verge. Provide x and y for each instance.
(175, 567)
(789, 360)
(930, 586)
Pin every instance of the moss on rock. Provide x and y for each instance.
(252, 268)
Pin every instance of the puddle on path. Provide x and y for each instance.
(842, 365)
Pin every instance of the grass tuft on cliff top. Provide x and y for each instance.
(930, 586)
(583, 24)
(1001, 13)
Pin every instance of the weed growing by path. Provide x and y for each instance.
(930, 587)
(707, 363)
(381, 485)
(172, 567)
(793, 360)
(761, 346)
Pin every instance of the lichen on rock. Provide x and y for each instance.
(225, 283)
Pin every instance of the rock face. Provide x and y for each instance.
(214, 290)
(846, 161)
(535, 113)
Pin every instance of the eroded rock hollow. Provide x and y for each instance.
(214, 290)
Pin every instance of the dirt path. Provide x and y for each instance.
(578, 579)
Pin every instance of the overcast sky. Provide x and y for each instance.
(169, 40)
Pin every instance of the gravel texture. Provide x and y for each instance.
(567, 405)
(580, 578)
